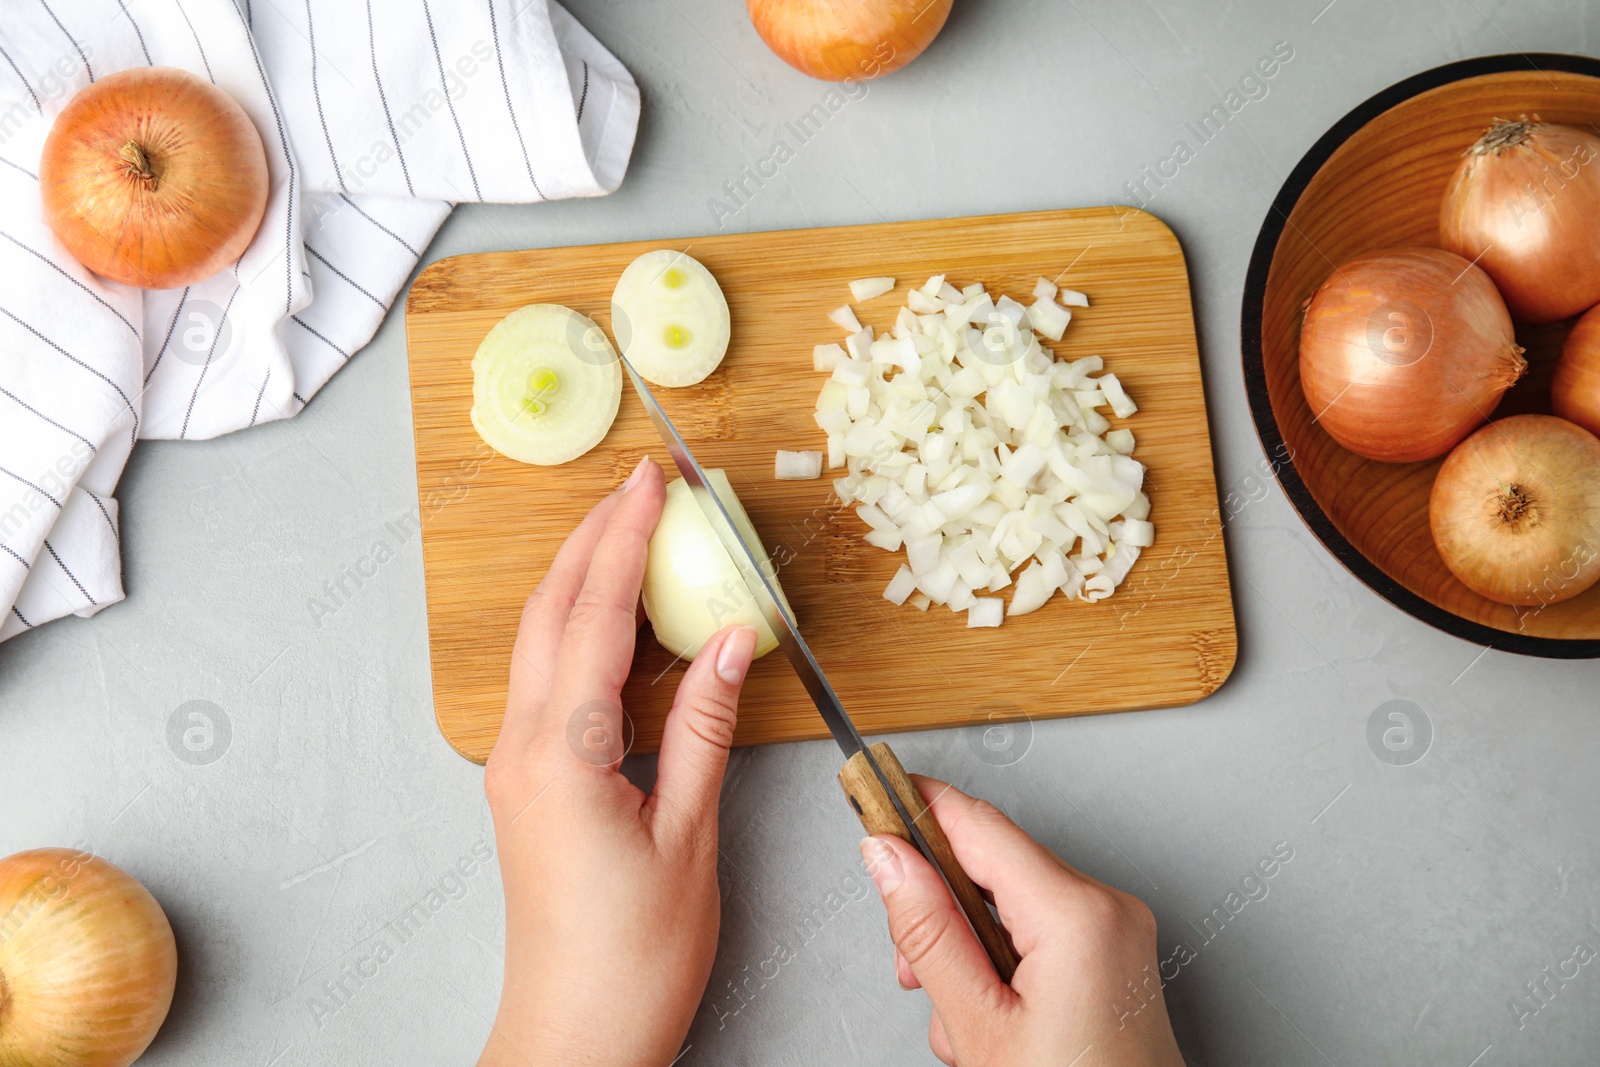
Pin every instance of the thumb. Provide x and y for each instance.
(699, 729)
(935, 939)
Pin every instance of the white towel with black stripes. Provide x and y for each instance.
(377, 116)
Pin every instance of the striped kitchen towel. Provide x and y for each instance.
(376, 115)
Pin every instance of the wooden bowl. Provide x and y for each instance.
(1375, 180)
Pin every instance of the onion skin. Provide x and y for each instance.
(1515, 510)
(1524, 204)
(1575, 392)
(856, 40)
(87, 962)
(1404, 352)
(153, 178)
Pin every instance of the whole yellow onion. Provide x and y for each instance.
(154, 177)
(1406, 351)
(1524, 204)
(848, 40)
(87, 962)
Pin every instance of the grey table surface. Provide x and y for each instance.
(1421, 899)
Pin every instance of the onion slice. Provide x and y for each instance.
(546, 385)
(670, 317)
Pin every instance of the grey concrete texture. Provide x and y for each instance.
(1423, 895)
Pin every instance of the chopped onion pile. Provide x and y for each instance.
(970, 447)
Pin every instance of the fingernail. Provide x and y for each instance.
(638, 472)
(882, 864)
(733, 659)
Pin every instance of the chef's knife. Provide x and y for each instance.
(877, 786)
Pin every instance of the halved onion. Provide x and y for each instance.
(546, 385)
(692, 588)
(670, 317)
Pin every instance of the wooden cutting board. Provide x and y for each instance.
(490, 526)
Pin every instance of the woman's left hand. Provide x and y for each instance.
(612, 904)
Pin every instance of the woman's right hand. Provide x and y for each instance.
(1083, 944)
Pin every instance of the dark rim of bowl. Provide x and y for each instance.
(1255, 379)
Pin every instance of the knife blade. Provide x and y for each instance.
(747, 560)
(872, 774)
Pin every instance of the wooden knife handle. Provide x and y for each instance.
(878, 816)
